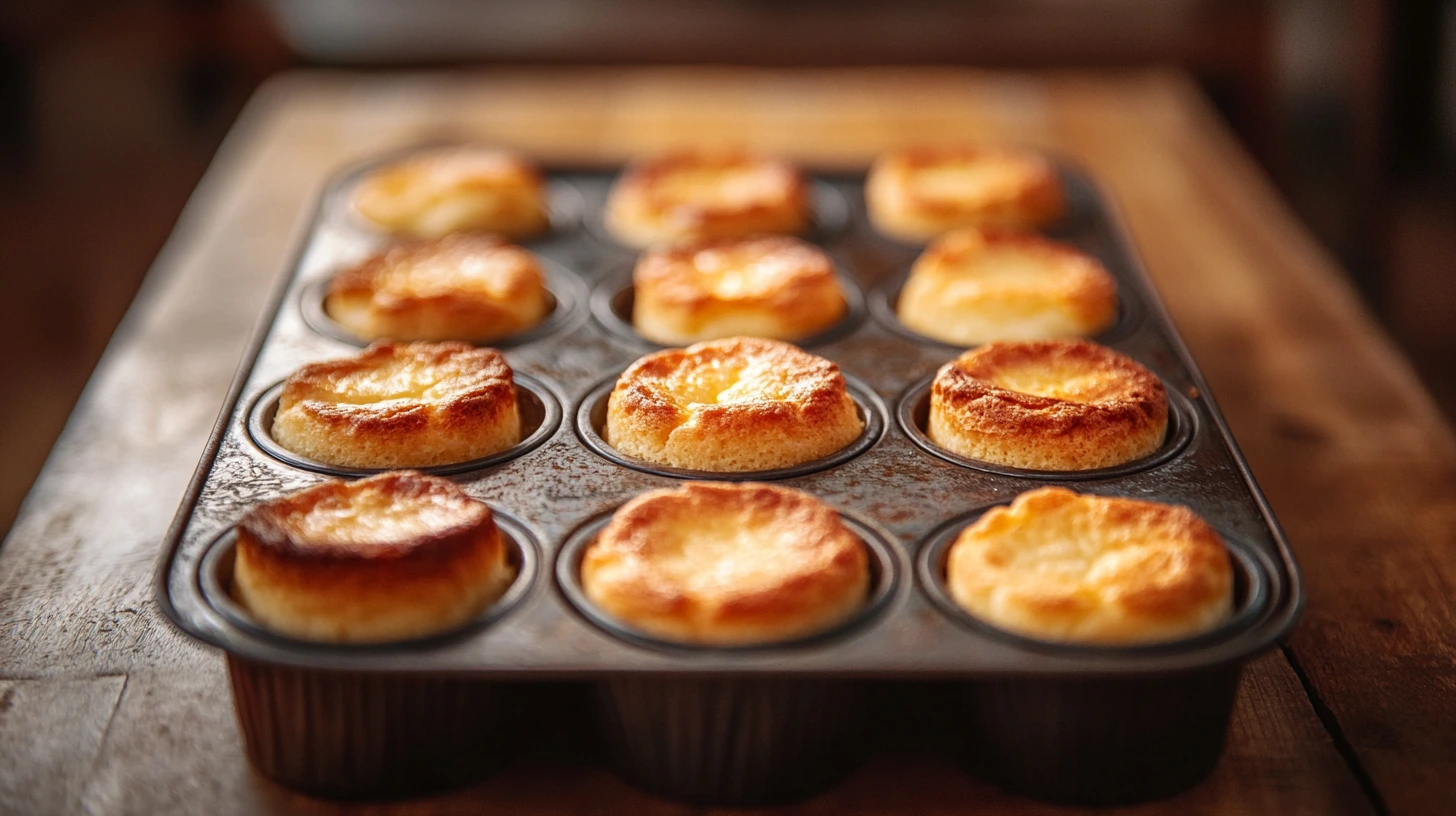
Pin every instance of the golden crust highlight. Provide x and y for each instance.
(740, 404)
(685, 196)
(727, 564)
(977, 285)
(771, 286)
(396, 556)
(914, 194)
(1060, 566)
(400, 405)
(1062, 405)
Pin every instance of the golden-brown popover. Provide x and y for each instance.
(726, 564)
(772, 286)
(1048, 405)
(976, 285)
(1059, 566)
(396, 556)
(686, 196)
(458, 287)
(915, 194)
(459, 189)
(734, 405)
(400, 405)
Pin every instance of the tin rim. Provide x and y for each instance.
(540, 412)
(913, 410)
(884, 298)
(214, 578)
(567, 292)
(1254, 588)
(611, 305)
(885, 581)
(591, 418)
(565, 204)
(829, 216)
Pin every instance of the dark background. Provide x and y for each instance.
(110, 113)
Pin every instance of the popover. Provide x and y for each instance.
(686, 196)
(1059, 405)
(773, 286)
(915, 194)
(400, 405)
(1059, 566)
(461, 189)
(976, 285)
(726, 564)
(395, 556)
(458, 287)
(735, 405)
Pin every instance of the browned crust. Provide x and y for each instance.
(804, 298)
(305, 583)
(365, 300)
(818, 580)
(1082, 286)
(641, 202)
(969, 404)
(645, 418)
(480, 401)
(1180, 581)
(898, 207)
(459, 171)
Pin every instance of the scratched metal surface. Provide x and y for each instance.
(895, 488)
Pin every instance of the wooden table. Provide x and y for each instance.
(105, 708)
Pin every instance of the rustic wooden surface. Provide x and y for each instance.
(104, 708)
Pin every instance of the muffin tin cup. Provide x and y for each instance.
(751, 724)
(727, 741)
(883, 302)
(540, 417)
(568, 299)
(591, 418)
(1097, 740)
(612, 301)
(354, 735)
(912, 412)
(360, 735)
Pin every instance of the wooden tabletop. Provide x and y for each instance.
(105, 708)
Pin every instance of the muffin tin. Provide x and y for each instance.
(1057, 722)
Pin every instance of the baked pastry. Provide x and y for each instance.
(685, 196)
(459, 287)
(764, 286)
(1047, 405)
(396, 556)
(1091, 569)
(726, 564)
(735, 405)
(400, 405)
(472, 189)
(975, 285)
(915, 194)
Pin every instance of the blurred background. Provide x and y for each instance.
(110, 111)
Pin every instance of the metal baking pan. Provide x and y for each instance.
(895, 487)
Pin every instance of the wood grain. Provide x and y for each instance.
(1354, 456)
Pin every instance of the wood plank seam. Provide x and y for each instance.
(85, 778)
(1342, 744)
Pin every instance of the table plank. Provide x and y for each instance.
(1280, 336)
